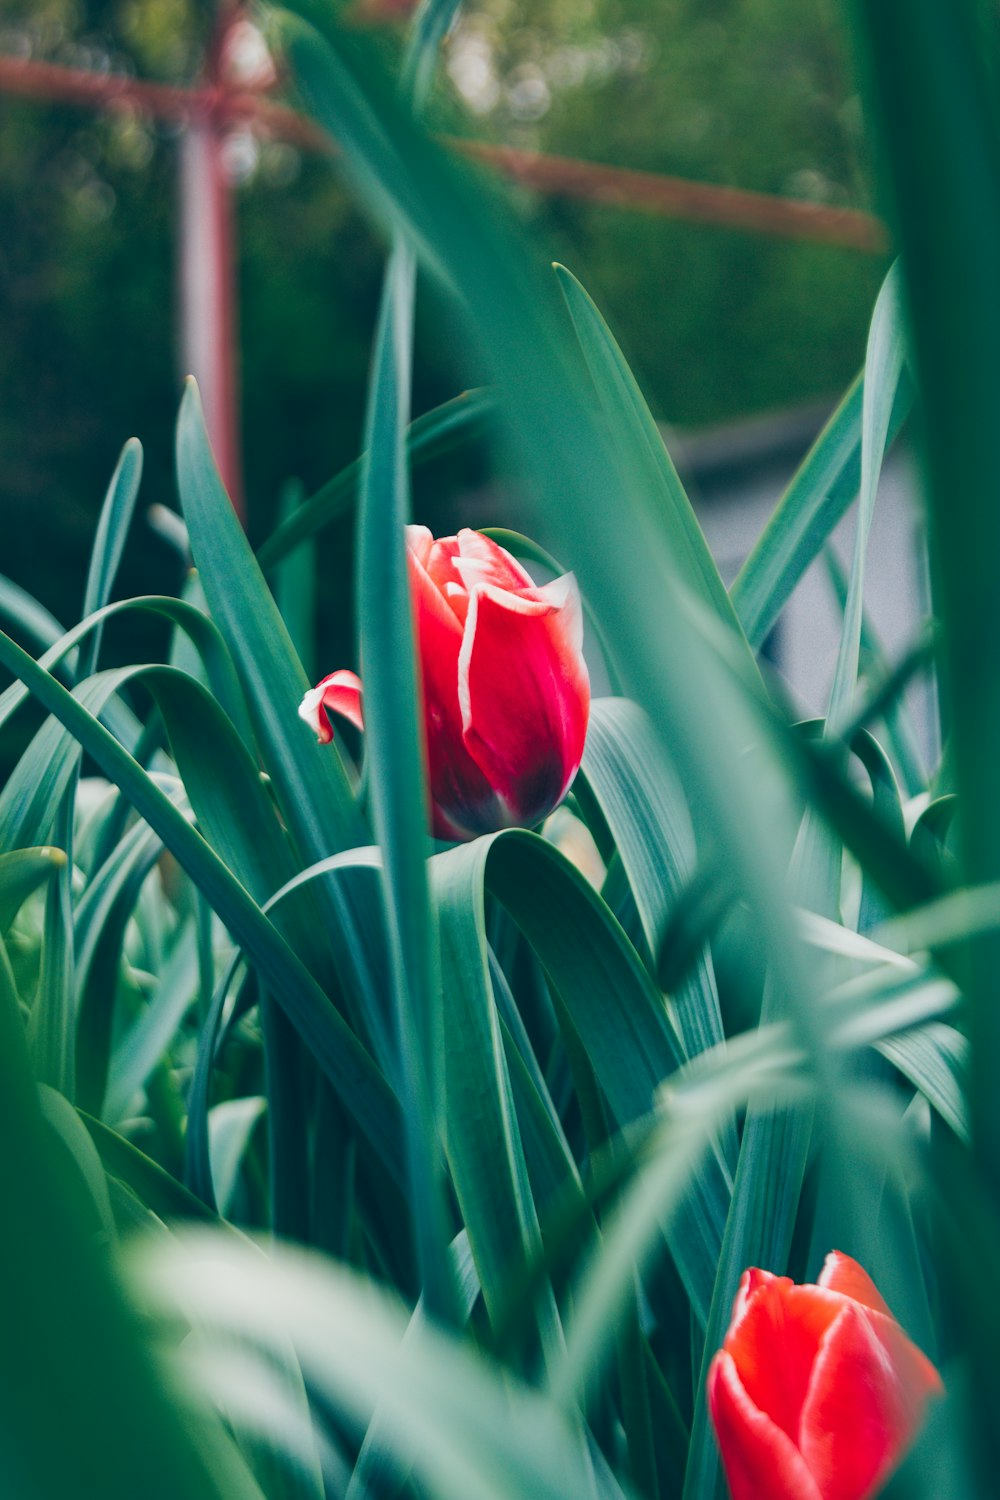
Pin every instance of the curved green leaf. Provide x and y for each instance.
(309, 780)
(626, 770)
(820, 493)
(440, 1406)
(362, 1087)
(611, 1003)
(22, 872)
(633, 428)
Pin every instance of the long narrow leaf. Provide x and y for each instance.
(338, 1052)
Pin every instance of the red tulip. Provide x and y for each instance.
(816, 1392)
(506, 691)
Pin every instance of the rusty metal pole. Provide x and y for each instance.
(207, 271)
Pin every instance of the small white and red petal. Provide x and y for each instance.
(340, 693)
(462, 799)
(759, 1459)
(441, 569)
(433, 612)
(481, 560)
(419, 541)
(524, 695)
(564, 595)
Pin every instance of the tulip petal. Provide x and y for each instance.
(775, 1344)
(524, 694)
(502, 744)
(464, 802)
(865, 1403)
(481, 560)
(750, 1281)
(446, 579)
(431, 609)
(759, 1458)
(419, 541)
(842, 1274)
(340, 693)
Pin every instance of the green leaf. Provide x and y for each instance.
(32, 793)
(883, 371)
(197, 627)
(295, 583)
(32, 621)
(71, 1344)
(139, 1050)
(440, 1406)
(931, 77)
(642, 804)
(431, 24)
(887, 805)
(109, 544)
(349, 1067)
(818, 858)
(885, 684)
(690, 1114)
(60, 1115)
(308, 779)
(483, 1140)
(394, 729)
(22, 872)
(101, 918)
(230, 1126)
(162, 1194)
(819, 494)
(394, 741)
(353, 878)
(54, 1013)
(935, 1060)
(633, 428)
(610, 1001)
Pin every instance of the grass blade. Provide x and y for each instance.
(819, 494)
(466, 1429)
(71, 1344)
(883, 370)
(22, 872)
(308, 779)
(397, 777)
(349, 1067)
(633, 426)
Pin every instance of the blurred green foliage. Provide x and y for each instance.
(757, 95)
(752, 94)
(608, 1169)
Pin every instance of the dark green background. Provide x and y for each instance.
(755, 93)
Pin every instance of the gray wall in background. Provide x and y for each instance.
(736, 478)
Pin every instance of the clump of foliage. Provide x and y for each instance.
(341, 1162)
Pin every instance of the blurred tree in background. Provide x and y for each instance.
(755, 94)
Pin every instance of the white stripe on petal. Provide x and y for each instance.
(309, 708)
(564, 595)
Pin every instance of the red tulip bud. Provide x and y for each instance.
(816, 1392)
(505, 686)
